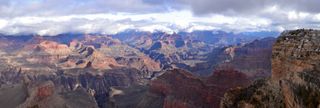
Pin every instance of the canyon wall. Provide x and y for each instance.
(295, 76)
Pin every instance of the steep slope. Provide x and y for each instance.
(295, 76)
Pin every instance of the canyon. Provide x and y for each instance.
(129, 69)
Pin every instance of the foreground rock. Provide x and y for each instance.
(296, 51)
(295, 76)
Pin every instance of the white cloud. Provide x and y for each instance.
(155, 27)
(3, 23)
(113, 23)
(200, 27)
(51, 17)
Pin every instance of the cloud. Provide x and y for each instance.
(3, 23)
(14, 8)
(248, 7)
(223, 6)
(174, 21)
(51, 17)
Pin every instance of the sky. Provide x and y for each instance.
(52, 17)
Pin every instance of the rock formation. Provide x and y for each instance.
(295, 51)
(295, 76)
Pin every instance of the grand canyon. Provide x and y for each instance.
(158, 70)
(129, 69)
(159, 54)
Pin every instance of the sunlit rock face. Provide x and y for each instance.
(295, 76)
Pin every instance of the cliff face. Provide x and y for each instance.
(295, 51)
(295, 76)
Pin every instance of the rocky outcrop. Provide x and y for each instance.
(295, 76)
(295, 51)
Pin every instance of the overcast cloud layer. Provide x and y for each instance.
(51, 17)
